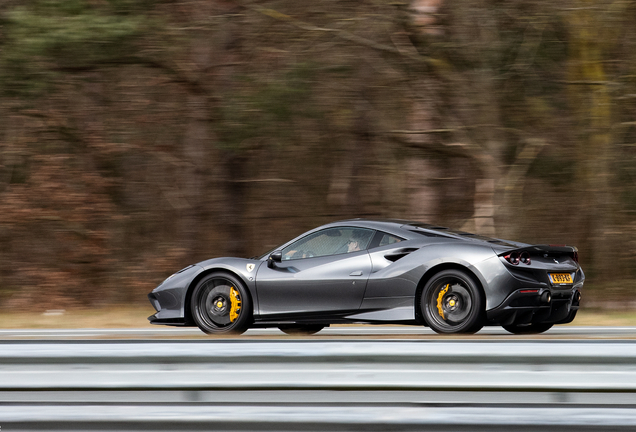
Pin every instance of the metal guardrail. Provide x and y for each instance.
(319, 385)
(319, 418)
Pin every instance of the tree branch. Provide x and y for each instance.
(179, 76)
(453, 149)
(343, 34)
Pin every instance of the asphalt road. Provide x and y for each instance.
(343, 331)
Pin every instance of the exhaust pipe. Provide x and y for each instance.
(546, 297)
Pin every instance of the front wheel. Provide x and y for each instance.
(451, 302)
(220, 304)
(528, 328)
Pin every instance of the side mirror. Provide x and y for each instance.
(274, 257)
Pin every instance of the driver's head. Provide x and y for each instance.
(354, 243)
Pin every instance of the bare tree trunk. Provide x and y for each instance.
(234, 203)
(232, 207)
(593, 106)
(196, 140)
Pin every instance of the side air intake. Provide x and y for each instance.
(400, 253)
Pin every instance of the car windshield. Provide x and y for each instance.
(332, 241)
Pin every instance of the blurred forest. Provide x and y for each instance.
(138, 136)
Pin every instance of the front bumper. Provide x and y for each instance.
(167, 321)
(168, 298)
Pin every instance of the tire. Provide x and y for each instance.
(220, 304)
(528, 328)
(300, 329)
(569, 318)
(452, 302)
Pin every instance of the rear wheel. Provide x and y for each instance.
(220, 305)
(452, 302)
(528, 328)
(568, 319)
(300, 329)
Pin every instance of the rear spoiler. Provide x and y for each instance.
(553, 250)
(549, 249)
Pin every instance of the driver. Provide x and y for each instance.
(354, 242)
(295, 254)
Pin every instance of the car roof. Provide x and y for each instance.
(371, 223)
(400, 227)
(413, 229)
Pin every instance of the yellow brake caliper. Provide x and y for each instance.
(439, 300)
(235, 301)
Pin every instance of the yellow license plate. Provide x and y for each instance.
(561, 278)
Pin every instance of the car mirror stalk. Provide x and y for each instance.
(275, 257)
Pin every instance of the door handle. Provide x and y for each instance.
(356, 273)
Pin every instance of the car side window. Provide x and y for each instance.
(331, 241)
(384, 239)
(388, 239)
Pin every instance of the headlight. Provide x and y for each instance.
(174, 274)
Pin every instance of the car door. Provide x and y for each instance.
(324, 272)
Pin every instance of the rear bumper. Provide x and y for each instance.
(525, 306)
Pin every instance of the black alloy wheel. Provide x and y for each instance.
(301, 329)
(452, 302)
(528, 328)
(220, 304)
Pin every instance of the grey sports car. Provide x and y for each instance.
(378, 272)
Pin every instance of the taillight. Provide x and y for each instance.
(575, 256)
(515, 258)
(512, 258)
(525, 258)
